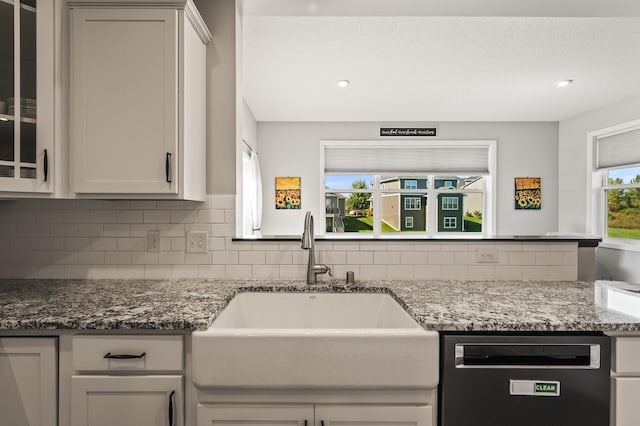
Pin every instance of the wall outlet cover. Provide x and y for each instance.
(154, 241)
(197, 241)
(487, 255)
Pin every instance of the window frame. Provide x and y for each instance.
(415, 183)
(488, 191)
(597, 201)
(406, 222)
(446, 206)
(417, 206)
(444, 222)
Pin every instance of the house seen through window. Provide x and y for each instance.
(355, 203)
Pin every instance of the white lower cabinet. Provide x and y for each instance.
(313, 415)
(126, 400)
(626, 391)
(28, 381)
(625, 384)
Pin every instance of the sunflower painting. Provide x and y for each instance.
(528, 195)
(287, 193)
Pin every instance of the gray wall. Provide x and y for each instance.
(524, 149)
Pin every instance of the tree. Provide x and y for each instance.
(359, 200)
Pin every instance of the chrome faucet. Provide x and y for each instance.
(307, 243)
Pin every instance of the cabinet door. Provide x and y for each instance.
(26, 96)
(28, 372)
(124, 101)
(255, 415)
(626, 408)
(373, 415)
(126, 401)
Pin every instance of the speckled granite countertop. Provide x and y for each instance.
(192, 304)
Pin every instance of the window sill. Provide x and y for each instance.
(614, 244)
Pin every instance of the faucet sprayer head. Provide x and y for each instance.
(307, 233)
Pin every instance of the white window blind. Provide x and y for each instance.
(406, 159)
(622, 149)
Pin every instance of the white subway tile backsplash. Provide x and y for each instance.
(400, 272)
(522, 258)
(131, 244)
(91, 258)
(144, 258)
(117, 258)
(386, 257)
(427, 272)
(157, 272)
(279, 258)
(360, 257)
(92, 238)
(211, 216)
(111, 230)
(184, 271)
(103, 216)
(129, 216)
(440, 258)
(157, 216)
(508, 272)
(549, 258)
(251, 258)
(454, 272)
(211, 271)
(413, 258)
(130, 272)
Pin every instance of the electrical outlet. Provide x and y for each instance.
(153, 241)
(197, 241)
(486, 255)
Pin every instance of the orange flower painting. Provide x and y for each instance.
(288, 193)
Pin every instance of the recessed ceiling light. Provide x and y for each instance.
(565, 83)
(343, 83)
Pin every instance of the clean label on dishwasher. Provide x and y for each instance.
(534, 387)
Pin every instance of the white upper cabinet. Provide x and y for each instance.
(28, 48)
(138, 100)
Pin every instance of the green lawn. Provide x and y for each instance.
(472, 224)
(363, 224)
(633, 234)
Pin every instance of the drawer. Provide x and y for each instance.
(626, 355)
(127, 353)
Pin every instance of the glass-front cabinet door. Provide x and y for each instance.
(26, 95)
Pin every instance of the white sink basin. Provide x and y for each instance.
(618, 296)
(315, 340)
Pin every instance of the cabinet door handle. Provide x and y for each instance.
(167, 167)
(109, 355)
(305, 422)
(321, 422)
(171, 402)
(45, 165)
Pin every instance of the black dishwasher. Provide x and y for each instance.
(524, 380)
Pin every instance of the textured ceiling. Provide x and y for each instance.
(428, 68)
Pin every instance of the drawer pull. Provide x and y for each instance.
(171, 402)
(109, 355)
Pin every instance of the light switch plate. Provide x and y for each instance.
(197, 241)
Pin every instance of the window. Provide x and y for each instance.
(449, 203)
(404, 183)
(450, 222)
(412, 203)
(616, 203)
(411, 184)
